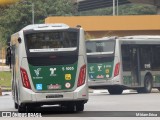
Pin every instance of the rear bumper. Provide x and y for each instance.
(28, 96)
(99, 84)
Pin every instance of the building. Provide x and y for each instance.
(100, 26)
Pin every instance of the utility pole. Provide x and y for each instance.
(117, 7)
(32, 13)
(113, 7)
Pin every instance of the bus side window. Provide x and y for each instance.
(156, 57)
(126, 58)
(145, 57)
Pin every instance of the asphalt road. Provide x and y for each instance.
(102, 105)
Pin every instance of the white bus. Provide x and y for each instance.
(117, 64)
(49, 67)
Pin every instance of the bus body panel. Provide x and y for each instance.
(138, 60)
(103, 75)
(70, 91)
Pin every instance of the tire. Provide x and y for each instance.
(115, 91)
(29, 109)
(21, 108)
(15, 105)
(71, 108)
(140, 90)
(80, 107)
(147, 84)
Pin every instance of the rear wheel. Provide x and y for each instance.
(15, 105)
(21, 108)
(115, 91)
(70, 107)
(80, 107)
(147, 85)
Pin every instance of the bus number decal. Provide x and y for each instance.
(68, 68)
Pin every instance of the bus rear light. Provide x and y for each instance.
(116, 70)
(25, 79)
(82, 76)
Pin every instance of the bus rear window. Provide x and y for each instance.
(49, 41)
(100, 46)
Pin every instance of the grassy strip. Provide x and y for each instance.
(5, 79)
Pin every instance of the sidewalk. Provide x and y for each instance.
(4, 68)
(124, 91)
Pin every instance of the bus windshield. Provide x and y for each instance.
(52, 41)
(100, 47)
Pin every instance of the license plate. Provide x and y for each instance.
(54, 96)
(54, 87)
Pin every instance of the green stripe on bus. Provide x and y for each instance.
(55, 77)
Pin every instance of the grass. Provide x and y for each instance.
(5, 79)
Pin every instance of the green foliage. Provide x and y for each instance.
(15, 17)
(128, 9)
(5, 79)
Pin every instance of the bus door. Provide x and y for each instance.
(135, 65)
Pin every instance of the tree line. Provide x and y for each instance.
(15, 17)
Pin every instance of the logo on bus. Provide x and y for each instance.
(107, 71)
(99, 68)
(39, 86)
(53, 71)
(92, 68)
(68, 85)
(100, 76)
(37, 71)
(68, 77)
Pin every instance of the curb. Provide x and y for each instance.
(124, 91)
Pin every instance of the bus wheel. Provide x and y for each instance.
(30, 109)
(71, 107)
(21, 108)
(80, 107)
(15, 105)
(147, 84)
(115, 91)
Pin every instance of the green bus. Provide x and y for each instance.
(49, 67)
(130, 62)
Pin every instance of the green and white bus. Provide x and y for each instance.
(117, 64)
(49, 67)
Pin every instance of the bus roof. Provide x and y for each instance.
(46, 26)
(141, 37)
(103, 38)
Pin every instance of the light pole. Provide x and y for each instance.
(32, 13)
(117, 8)
(113, 7)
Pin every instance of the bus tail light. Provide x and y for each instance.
(25, 79)
(82, 76)
(116, 71)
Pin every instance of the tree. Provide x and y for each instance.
(15, 17)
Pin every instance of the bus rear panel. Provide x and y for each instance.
(51, 68)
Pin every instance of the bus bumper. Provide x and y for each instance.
(104, 83)
(80, 94)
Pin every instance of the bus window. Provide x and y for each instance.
(145, 56)
(156, 57)
(126, 57)
(49, 40)
(100, 46)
